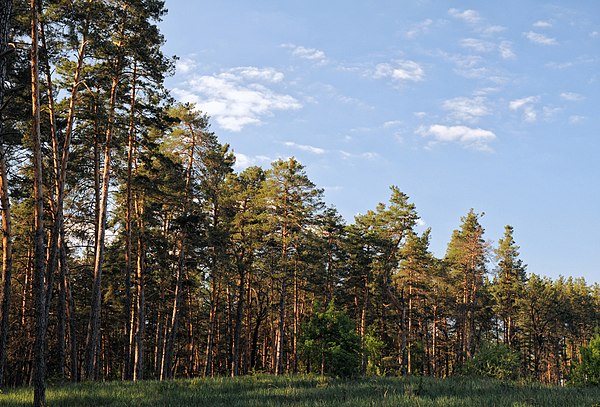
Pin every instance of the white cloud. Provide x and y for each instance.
(368, 155)
(571, 96)
(243, 161)
(477, 44)
(520, 103)
(493, 29)
(467, 109)
(257, 74)
(595, 34)
(542, 24)
(469, 16)
(538, 38)
(185, 65)
(311, 54)
(419, 28)
(478, 23)
(506, 51)
(235, 98)
(400, 71)
(470, 66)
(303, 147)
(392, 123)
(576, 119)
(472, 138)
(527, 105)
(550, 112)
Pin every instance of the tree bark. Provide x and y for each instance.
(39, 358)
(128, 220)
(94, 321)
(5, 13)
(167, 367)
(138, 369)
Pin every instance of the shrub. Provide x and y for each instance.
(329, 343)
(587, 372)
(495, 360)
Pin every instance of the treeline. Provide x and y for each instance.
(132, 249)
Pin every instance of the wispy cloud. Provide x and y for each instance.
(542, 24)
(464, 109)
(368, 155)
(469, 16)
(482, 46)
(571, 96)
(304, 147)
(311, 54)
(470, 66)
(400, 71)
(506, 50)
(185, 65)
(468, 137)
(477, 44)
(392, 123)
(237, 97)
(576, 119)
(419, 28)
(474, 19)
(527, 106)
(540, 39)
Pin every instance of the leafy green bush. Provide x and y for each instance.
(329, 343)
(587, 372)
(495, 360)
(374, 353)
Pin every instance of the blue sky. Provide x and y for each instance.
(484, 105)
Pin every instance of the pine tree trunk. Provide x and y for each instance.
(239, 316)
(128, 246)
(94, 321)
(5, 14)
(70, 309)
(138, 370)
(7, 260)
(39, 358)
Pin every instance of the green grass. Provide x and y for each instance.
(270, 391)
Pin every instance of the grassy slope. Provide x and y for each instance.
(307, 391)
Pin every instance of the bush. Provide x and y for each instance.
(587, 372)
(495, 360)
(330, 344)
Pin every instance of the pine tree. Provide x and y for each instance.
(509, 284)
(466, 259)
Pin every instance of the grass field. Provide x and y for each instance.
(264, 390)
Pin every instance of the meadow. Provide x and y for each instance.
(267, 391)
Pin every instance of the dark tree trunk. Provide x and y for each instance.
(39, 351)
(5, 12)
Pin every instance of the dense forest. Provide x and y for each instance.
(132, 249)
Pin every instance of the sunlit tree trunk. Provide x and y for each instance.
(138, 368)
